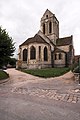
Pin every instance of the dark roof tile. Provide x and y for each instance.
(37, 38)
(64, 41)
(58, 50)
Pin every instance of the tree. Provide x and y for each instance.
(12, 62)
(6, 47)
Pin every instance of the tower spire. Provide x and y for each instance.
(50, 25)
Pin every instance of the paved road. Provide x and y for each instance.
(25, 97)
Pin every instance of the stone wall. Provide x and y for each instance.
(60, 62)
(64, 48)
(36, 63)
(46, 19)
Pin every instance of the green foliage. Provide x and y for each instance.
(12, 62)
(76, 70)
(3, 75)
(6, 47)
(46, 73)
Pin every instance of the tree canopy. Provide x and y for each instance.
(7, 47)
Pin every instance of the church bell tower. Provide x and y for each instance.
(50, 26)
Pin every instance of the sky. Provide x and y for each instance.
(21, 18)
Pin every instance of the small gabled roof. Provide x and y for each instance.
(64, 41)
(37, 38)
(47, 12)
(58, 50)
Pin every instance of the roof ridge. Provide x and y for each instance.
(66, 37)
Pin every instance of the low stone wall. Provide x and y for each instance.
(38, 66)
(76, 76)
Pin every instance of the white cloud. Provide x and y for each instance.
(21, 18)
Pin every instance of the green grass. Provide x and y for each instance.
(3, 75)
(46, 73)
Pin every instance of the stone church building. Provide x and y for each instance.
(46, 49)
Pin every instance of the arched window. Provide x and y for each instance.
(32, 53)
(46, 16)
(55, 56)
(25, 52)
(45, 54)
(44, 28)
(50, 27)
(60, 56)
(39, 52)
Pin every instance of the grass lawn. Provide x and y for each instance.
(46, 73)
(3, 75)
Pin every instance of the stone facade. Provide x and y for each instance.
(46, 49)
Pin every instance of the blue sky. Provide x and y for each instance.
(21, 18)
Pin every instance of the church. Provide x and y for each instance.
(46, 49)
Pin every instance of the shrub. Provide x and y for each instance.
(3, 75)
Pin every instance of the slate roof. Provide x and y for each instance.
(64, 41)
(58, 50)
(37, 38)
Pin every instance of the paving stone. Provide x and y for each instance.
(32, 93)
(75, 99)
(78, 100)
(43, 96)
(70, 98)
(63, 96)
(59, 97)
(53, 96)
(66, 97)
(56, 97)
(74, 102)
(49, 94)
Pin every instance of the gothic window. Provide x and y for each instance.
(44, 28)
(32, 53)
(45, 54)
(60, 56)
(50, 27)
(25, 52)
(46, 16)
(39, 52)
(55, 56)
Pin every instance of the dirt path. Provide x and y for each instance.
(26, 97)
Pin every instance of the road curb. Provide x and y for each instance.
(3, 81)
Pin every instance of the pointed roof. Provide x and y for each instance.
(45, 38)
(47, 12)
(37, 38)
(58, 50)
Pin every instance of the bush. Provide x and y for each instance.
(3, 75)
(76, 70)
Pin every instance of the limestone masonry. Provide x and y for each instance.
(46, 49)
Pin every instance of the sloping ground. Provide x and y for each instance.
(68, 76)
